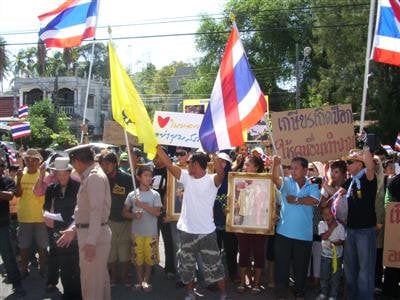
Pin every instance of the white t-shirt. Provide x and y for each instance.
(197, 204)
(337, 234)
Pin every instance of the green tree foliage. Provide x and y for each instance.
(33, 61)
(4, 62)
(49, 128)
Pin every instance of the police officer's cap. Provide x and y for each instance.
(79, 149)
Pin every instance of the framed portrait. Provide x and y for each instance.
(251, 203)
(175, 192)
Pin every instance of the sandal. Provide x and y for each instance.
(137, 287)
(240, 289)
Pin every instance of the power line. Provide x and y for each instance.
(208, 33)
(198, 18)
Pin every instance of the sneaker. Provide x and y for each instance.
(146, 287)
(190, 296)
(321, 297)
(331, 298)
(19, 291)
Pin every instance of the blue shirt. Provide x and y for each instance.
(296, 221)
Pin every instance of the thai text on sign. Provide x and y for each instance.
(391, 247)
(318, 134)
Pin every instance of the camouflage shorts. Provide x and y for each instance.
(205, 245)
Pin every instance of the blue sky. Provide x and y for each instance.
(21, 16)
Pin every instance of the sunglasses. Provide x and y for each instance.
(268, 146)
(181, 153)
(349, 162)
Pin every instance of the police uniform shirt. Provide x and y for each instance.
(94, 202)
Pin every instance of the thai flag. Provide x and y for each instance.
(69, 24)
(236, 103)
(397, 144)
(387, 148)
(23, 111)
(19, 130)
(386, 47)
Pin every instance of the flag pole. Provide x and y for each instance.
(128, 149)
(90, 72)
(367, 59)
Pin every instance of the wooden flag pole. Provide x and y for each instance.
(90, 73)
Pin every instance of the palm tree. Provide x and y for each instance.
(4, 62)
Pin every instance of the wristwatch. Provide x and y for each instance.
(297, 200)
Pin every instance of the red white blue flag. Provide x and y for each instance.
(236, 103)
(19, 130)
(386, 47)
(397, 144)
(69, 24)
(387, 148)
(23, 111)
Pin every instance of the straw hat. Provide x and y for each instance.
(61, 164)
(355, 154)
(32, 153)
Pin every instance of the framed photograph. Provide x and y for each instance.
(251, 203)
(175, 192)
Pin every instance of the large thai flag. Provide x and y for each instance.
(236, 103)
(69, 24)
(19, 130)
(386, 47)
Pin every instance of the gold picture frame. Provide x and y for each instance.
(251, 203)
(175, 194)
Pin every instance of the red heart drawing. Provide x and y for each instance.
(163, 121)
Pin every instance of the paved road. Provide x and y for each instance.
(162, 289)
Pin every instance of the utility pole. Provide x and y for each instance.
(297, 77)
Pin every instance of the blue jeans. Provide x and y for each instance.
(359, 263)
(330, 281)
(8, 257)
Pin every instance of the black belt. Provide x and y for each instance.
(87, 225)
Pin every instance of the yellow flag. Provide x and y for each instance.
(127, 107)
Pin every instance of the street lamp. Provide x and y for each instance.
(299, 71)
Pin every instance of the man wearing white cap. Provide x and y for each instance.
(59, 206)
(91, 224)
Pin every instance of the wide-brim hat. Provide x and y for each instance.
(32, 153)
(354, 154)
(61, 164)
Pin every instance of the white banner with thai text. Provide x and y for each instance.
(177, 129)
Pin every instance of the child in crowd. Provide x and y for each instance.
(332, 235)
(143, 206)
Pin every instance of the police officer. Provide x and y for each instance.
(91, 216)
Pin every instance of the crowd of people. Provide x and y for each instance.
(88, 221)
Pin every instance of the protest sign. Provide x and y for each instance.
(177, 129)
(196, 106)
(113, 133)
(391, 248)
(318, 134)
